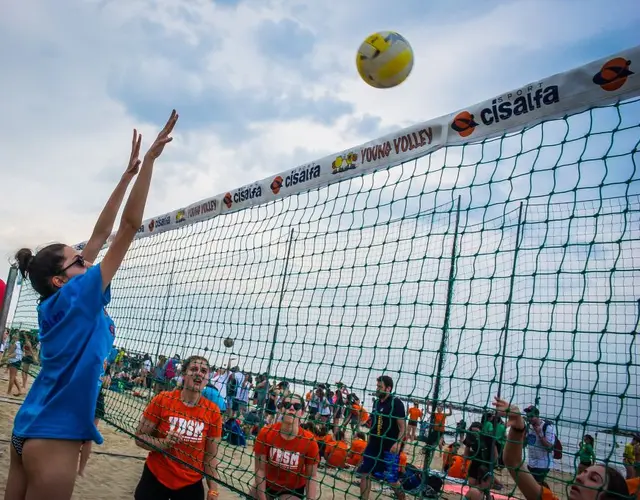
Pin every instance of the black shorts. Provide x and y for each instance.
(433, 438)
(27, 360)
(16, 364)
(413, 423)
(17, 443)
(474, 469)
(297, 492)
(99, 406)
(339, 412)
(149, 488)
(586, 464)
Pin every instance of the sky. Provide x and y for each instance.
(261, 86)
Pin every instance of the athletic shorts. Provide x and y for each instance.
(149, 488)
(413, 423)
(297, 492)
(27, 360)
(373, 466)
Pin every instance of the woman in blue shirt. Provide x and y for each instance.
(57, 415)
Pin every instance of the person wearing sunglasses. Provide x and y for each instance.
(286, 456)
(596, 482)
(58, 414)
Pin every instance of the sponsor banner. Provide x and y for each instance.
(599, 83)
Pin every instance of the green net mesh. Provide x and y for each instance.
(508, 265)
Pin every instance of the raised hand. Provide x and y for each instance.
(134, 162)
(163, 137)
(512, 412)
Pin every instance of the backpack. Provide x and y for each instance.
(170, 369)
(412, 482)
(234, 435)
(557, 445)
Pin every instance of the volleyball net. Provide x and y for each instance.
(496, 249)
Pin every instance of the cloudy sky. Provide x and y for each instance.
(261, 86)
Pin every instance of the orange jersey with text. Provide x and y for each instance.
(195, 424)
(287, 461)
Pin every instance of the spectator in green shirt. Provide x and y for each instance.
(586, 454)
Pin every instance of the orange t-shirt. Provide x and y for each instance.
(415, 414)
(195, 424)
(287, 460)
(359, 410)
(458, 467)
(547, 494)
(336, 454)
(402, 462)
(357, 449)
(439, 421)
(447, 456)
(634, 486)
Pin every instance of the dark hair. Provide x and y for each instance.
(361, 435)
(615, 486)
(41, 267)
(339, 435)
(588, 438)
(308, 426)
(386, 380)
(193, 359)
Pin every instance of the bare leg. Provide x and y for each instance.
(365, 487)
(25, 375)
(16, 488)
(50, 466)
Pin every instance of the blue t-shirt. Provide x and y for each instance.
(212, 394)
(107, 360)
(74, 342)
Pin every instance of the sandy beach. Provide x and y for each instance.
(115, 467)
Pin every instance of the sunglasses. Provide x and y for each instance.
(78, 260)
(288, 404)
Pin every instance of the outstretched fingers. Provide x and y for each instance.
(168, 128)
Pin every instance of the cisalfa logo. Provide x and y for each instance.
(276, 184)
(464, 123)
(227, 200)
(613, 74)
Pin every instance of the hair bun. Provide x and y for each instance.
(24, 257)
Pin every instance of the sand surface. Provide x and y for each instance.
(115, 467)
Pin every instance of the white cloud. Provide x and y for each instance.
(66, 126)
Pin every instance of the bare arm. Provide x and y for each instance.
(107, 217)
(512, 454)
(134, 209)
(211, 463)
(261, 477)
(313, 491)
(146, 440)
(144, 436)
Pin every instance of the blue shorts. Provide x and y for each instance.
(374, 466)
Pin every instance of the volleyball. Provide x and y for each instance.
(384, 59)
(228, 342)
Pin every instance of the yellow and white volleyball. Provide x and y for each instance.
(384, 59)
